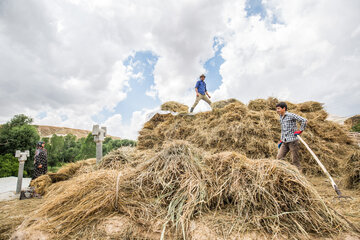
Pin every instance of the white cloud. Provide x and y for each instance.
(311, 55)
(66, 58)
(184, 44)
(116, 127)
(151, 92)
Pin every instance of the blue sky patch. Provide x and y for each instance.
(42, 115)
(142, 62)
(64, 117)
(255, 7)
(212, 66)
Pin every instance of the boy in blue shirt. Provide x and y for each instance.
(201, 92)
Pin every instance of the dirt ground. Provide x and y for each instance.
(349, 208)
(12, 213)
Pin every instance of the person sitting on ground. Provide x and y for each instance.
(201, 92)
(289, 141)
(40, 160)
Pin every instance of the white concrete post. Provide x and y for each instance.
(99, 136)
(22, 156)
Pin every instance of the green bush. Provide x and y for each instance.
(18, 134)
(356, 127)
(9, 165)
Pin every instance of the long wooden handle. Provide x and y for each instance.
(322, 167)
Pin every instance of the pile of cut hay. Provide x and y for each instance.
(195, 173)
(118, 158)
(352, 121)
(42, 183)
(352, 178)
(13, 213)
(171, 193)
(254, 131)
(223, 103)
(174, 107)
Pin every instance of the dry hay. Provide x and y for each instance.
(13, 213)
(310, 106)
(262, 104)
(174, 107)
(42, 183)
(165, 194)
(352, 179)
(254, 131)
(352, 121)
(223, 103)
(118, 158)
(123, 157)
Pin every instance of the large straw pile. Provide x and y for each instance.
(352, 121)
(353, 171)
(42, 183)
(174, 107)
(252, 130)
(181, 186)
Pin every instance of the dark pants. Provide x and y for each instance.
(293, 147)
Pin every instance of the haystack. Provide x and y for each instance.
(181, 186)
(118, 158)
(262, 104)
(352, 121)
(353, 171)
(223, 103)
(42, 183)
(310, 106)
(254, 131)
(124, 157)
(174, 107)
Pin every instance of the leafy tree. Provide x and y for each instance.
(18, 134)
(88, 148)
(71, 148)
(9, 165)
(110, 144)
(55, 150)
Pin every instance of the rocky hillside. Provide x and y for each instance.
(48, 131)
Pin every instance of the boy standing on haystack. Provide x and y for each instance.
(289, 141)
(201, 92)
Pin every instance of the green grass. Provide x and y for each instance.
(54, 169)
(356, 128)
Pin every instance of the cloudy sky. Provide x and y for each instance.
(76, 63)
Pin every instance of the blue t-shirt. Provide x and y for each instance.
(201, 86)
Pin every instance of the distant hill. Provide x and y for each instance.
(48, 131)
(336, 119)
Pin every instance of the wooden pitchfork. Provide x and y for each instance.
(337, 190)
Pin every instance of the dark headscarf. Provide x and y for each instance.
(39, 144)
